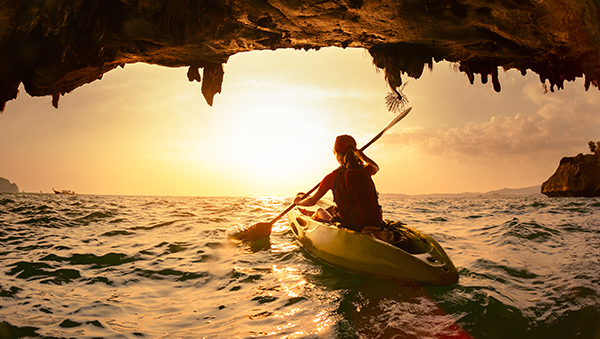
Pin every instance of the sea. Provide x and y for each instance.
(101, 266)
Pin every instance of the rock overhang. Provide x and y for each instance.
(53, 47)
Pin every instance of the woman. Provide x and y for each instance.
(353, 189)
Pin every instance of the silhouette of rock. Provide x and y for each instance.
(577, 176)
(7, 186)
(53, 47)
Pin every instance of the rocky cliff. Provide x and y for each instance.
(53, 47)
(8, 187)
(577, 176)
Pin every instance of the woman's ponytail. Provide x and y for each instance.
(351, 159)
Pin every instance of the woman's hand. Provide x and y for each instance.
(298, 198)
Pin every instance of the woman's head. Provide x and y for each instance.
(342, 142)
(345, 151)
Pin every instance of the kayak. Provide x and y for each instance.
(392, 252)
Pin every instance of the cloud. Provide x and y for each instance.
(562, 123)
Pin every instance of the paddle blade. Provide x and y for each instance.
(250, 234)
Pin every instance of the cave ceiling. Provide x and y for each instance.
(53, 47)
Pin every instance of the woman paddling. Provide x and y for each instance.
(354, 192)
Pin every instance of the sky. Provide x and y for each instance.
(147, 130)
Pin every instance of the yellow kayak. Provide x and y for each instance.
(408, 255)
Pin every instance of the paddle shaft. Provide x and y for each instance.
(390, 125)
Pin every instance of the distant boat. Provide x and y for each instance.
(63, 191)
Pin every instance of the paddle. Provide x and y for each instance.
(263, 229)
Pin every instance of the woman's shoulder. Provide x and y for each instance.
(329, 179)
(333, 174)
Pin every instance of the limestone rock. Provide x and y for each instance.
(53, 47)
(8, 187)
(577, 176)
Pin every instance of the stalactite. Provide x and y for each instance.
(495, 80)
(213, 80)
(55, 98)
(193, 73)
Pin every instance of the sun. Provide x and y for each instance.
(271, 145)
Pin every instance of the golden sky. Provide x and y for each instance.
(146, 130)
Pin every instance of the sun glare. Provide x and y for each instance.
(273, 143)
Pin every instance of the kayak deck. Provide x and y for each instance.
(402, 254)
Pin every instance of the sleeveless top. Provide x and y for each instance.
(356, 198)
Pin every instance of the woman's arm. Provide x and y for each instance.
(310, 201)
(368, 161)
(326, 185)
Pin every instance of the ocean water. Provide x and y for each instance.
(89, 266)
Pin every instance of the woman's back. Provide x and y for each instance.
(356, 198)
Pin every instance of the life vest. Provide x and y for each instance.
(355, 195)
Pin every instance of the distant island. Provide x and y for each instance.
(531, 191)
(8, 187)
(577, 176)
